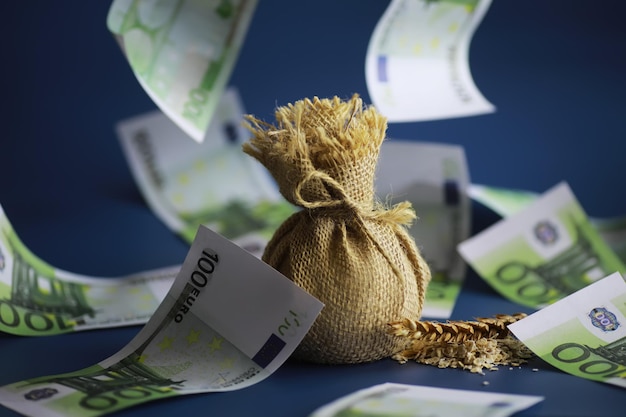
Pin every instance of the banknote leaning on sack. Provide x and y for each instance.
(506, 202)
(214, 183)
(37, 299)
(433, 177)
(228, 322)
(542, 253)
(398, 400)
(583, 334)
(182, 52)
(345, 248)
(417, 65)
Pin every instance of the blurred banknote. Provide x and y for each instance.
(213, 183)
(584, 334)
(503, 201)
(37, 299)
(506, 202)
(182, 52)
(613, 231)
(433, 177)
(207, 335)
(417, 65)
(401, 400)
(542, 253)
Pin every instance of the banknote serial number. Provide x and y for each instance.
(199, 278)
(146, 153)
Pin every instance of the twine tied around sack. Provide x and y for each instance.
(345, 209)
(344, 247)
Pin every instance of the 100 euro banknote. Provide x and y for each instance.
(182, 52)
(583, 334)
(433, 177)
(214, 183)
(227, 322)
(506, 202)
(402, 400)
(37, 299)
(417, 65)
(542, 253)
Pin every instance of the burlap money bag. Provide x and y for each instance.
(343, 248)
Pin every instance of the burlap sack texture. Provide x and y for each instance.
(344, 247)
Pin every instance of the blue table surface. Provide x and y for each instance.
(555, 71)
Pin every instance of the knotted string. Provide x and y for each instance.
(399, 214)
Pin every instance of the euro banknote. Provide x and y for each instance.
(214, 183)
(613, 231)
(228, 322)
(37, 299)
(182, 52)
(401, 400)
(417, 62)
(433, 177)
(542, 253)
(583, 334)
(505, 202)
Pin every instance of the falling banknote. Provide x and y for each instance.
(542, 253)
(583, 334)
(37, 299)
(213, 183)
(506, 202)
(433, 177)
(207, 335)
(402, 400)
(182, 52)
(417, 65)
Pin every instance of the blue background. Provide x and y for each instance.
(554, 70)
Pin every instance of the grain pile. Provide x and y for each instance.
(471, 345)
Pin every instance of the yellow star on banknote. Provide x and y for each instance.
(166, 343)
(227, 363)
(193, 337)
(216, 344)
(183, 179)
(199, 165)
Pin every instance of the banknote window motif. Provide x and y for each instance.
(603, 319)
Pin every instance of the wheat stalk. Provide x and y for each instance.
(455, 331)
(472, 345)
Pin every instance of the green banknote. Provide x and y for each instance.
(503, 201)
(206, 336)
(433, 177)
(542, 253)
(37, 299)
(417, 66)
(212, 184)
(401, 400)
(182, 52)
(583, 334)
(506, 202)
(613, 231)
